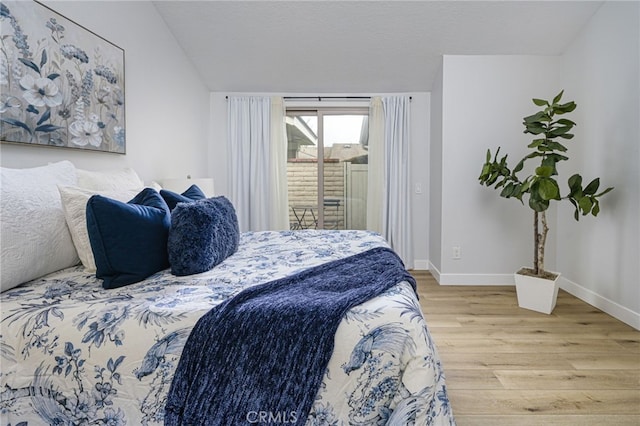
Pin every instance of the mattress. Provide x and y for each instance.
(75, 353)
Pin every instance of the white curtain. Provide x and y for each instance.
(389, 170)
(396, 212)
(255, 173)
(375, 177)
(279, 189)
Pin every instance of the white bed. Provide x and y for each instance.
(75, 353)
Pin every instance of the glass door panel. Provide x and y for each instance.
(334, 142)
(302, 169)
(345, 171)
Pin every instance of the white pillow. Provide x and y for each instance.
(110, 180)
(155, 185)
(35, 238)
(74, 204)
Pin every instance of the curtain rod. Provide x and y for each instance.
(320, 98)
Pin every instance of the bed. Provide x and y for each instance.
(73, 352)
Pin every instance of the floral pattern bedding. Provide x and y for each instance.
(72, 352)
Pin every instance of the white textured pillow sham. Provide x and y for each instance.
(74, 204)
(110, 180)
(35, 238)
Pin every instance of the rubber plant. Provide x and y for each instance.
(541, 188)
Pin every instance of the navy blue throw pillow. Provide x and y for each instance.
(203, 233)
(173, 198)
(128, 240)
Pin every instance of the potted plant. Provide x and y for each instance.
(537, 288)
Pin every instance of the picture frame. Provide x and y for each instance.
(61, 85)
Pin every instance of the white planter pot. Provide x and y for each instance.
(537, 294)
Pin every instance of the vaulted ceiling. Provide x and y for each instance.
(359, 46)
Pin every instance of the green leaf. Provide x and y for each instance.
(535, 129)
(604, 192)
(558, 97)
(488, 155)
(566, 122)
(538, 204)
(492, 178)
(564, 108)
(551, 161)
(575, 182)
(534, 155)
(557, 157)
(544, 171)
(507, 190)
(576, 213)
(585, 204)
(548, 189)
(557, 146)
(592, 187)
(559, 131)
(538, 117)
(517, 191)
(495, 157)
(518, 167)
(485, 172)
(567, 136)
(540, 102)
(536, 143)
(596, 208)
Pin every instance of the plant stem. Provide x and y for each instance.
(541, 243)
(536, 237)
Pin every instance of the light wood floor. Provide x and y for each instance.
(510, 366)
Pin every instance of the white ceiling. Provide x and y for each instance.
(359, 46)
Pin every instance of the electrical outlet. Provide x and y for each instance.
(456, 253)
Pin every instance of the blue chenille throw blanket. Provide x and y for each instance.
(266, 349)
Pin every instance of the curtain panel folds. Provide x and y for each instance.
(257, 154)
(389, 195)
(376, 172)
(258, 167)
(279, 219)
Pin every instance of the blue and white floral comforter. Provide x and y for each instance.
(74, 353)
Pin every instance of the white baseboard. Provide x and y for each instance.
(435, 272)
(612, 308)
(476, 279)
(421, 265)
(470, 279)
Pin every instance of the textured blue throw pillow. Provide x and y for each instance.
(173, 198)
(128, 240)
(203, 233)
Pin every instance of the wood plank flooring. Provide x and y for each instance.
(510, 366)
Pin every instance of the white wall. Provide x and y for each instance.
(419, 163)
(420, 118)
(167, 105)
(484, 99)
(600, 257)
(435, 178)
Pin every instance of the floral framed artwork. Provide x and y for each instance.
(60, 84)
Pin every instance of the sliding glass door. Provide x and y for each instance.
(327, 168)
